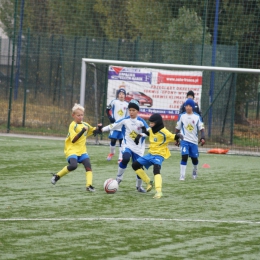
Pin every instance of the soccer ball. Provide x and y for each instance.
(110, 186)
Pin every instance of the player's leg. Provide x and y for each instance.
(123, 164)
(184, 159)
(157, 181)
(120, 151)
(139, 181)
(112, 148)
(195, 163)
(73, 164)
(194, 154)
(138, 168)
(89, 175)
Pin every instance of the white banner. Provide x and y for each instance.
(158, 91)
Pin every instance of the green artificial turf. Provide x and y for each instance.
(216, 216)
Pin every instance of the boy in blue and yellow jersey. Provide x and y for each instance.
(75, 147)
(159, 138)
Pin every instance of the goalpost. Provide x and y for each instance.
(86, 61)
(219, 108)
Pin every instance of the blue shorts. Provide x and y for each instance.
(190, 149)
(79, 159)
(150, 159)
(133, 155)
(115, 135)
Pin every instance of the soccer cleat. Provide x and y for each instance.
(118, 180)
(90, 188)
(158, 195)
(182, 178)
(109, 157)
(149, 186)
(141, 189)
(194, 174)
(54, 179)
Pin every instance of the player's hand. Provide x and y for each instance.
(202, 141)
(111, 119)
(177, 143)
(99, 127)
(178, 137)
(137, 139)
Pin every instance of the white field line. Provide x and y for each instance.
(132, 219)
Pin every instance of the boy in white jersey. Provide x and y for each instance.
(131, 127)
(117, 110)
(189, 124)
(75, 147)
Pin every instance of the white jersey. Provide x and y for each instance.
(190, 125)
(130, 129)
(119, 109)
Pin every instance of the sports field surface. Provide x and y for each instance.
(216, 216)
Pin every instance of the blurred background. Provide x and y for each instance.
(42, 43)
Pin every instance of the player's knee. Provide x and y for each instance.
(195, 161)
(126, 158)
(156, 169)
(184, 157)
(113, 142)
(72, 166)
(136, 166)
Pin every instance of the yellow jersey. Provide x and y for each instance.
(79, 147)
(159, 142)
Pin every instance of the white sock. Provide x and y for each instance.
(139, 182)
(183, 170)
(112, 149)
(120, 153)
(120, 174)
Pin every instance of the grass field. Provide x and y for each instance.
(216, 216)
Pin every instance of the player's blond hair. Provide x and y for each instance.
(77, 107)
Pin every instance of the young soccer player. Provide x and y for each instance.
(189, 124)
(190, 94)
(75, 147)
(159, 138)
(117, 109)
(131, 126)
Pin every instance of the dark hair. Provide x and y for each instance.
(190, 93)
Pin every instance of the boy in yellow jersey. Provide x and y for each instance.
(159, 138)
(75, 147)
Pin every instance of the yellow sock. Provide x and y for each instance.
(158, 182)
(63, 172)
(89, 178)
(141, 173)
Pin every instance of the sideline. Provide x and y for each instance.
(107, 142)
(133, 219)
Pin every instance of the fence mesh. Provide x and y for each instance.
(42, 44)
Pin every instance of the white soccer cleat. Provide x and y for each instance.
(194, 174)
(182, 178)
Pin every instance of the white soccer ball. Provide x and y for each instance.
(110, 186)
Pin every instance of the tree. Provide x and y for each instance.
(183, 33)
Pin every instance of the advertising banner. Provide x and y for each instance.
(157, 91)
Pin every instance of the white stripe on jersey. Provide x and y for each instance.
(190, 125)
(130, 129)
